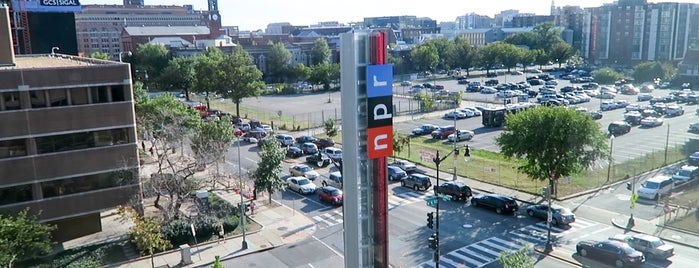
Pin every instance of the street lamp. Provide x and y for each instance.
(122, 53)
(54, 49)
(435, 237)
(242, 201)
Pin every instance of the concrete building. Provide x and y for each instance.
(68, 147)
(631, 31)
(473, 21)
(406, 28)
(99, 27)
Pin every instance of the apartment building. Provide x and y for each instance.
(68, 147)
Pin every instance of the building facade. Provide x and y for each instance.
(68, 147)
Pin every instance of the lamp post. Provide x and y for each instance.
(242, 201)
(611, 158)
(122, 53)
(438, 160)
(54, 49)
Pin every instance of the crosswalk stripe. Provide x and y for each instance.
(512, 245)
(486, 250)
(490, 243)
(476, 254)
(448, 261)
(468, 260)
(528, 237)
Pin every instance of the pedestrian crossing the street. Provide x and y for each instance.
(484, 252)
(538, 233)
(328, 219)
(396, 200)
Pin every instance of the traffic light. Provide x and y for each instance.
(433, 241)
(430, 220)
(467, 151)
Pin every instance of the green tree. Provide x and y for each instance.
(150, 59)
(320, 53)
(520, 258)
(330, 128)
(607, 76)
(179, 75)
(212, 140)
(647, 71)
(269, 168)
(540, 57)
(465, 55)
(302, 72)
(238, 78)
(399, 143)
(424, 57)
(324, 74)
(278, 62)
(511, 55)
(560, 52)
(99, 55)
(547, 35)
(491, 55)
(554, 142)
(445, 52)
(21, 237)
(207, 71)
(146, 233)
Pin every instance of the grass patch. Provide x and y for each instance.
(89, 256)
(281, 122)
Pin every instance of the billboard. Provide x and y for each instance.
(47, 5)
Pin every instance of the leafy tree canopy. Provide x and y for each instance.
(237, 78)
(21, 237)
(278, 62)
(607, 76)
(179, 75)
(99, 55)
(424, 57)
(267, 175)
(320, 53)
(151, 58)
(647, 71)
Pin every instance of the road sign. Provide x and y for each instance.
(489, 169)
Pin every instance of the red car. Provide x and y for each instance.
(322, 143)
(331, 195)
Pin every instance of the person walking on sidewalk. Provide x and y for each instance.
(221, 234)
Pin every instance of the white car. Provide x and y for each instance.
(651, 121)
(607, 105)
(475, 111)
(303, 170)
(467, 112)
(301, 185)
(461, 135)
(332, 152)
(265, 128)
(405, 165)
(455, 115)
(606, 95)
(694, 127)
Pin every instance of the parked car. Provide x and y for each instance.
(396, 173)
(500, 203)
(454, 115)
(424, 129)
(656, 187)
(652, 247)
(443, 132)
(559, 215)
(617, 128)
(457, 190)
(322, 143)
(633, 118)
(694, 127)
(651, 121)
(644, 97)
(475, 111)
(331, 195)
(674, 110)
(606, 95)
(334, 153)
(333, 179)
(305, 138)
(418, 182)
(612, 252)
(404, 165)
(301, 185)
(406, 83)
(303, 170)
(309, 148)
(294, 152)
(285, 140)
(461, 135)
(319, 159)
(686, 174)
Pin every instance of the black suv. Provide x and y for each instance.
(418, 182)
(457, 190)
(618, 128)
(498, 202)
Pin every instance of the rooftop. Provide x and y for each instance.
(52, 61)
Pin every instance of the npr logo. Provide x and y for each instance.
(380, 110)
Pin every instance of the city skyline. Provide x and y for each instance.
(313, 11)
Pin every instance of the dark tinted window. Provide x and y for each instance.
(13, 148)
(87, 183)
(10, 101)
(15, 194)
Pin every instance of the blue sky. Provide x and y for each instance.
(256, 14)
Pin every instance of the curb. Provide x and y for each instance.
(556, 256)
(208, 264)
(623, 227)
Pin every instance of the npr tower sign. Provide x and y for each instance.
(367, 135)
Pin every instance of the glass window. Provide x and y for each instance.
(118, 93)
(16, 194)
(38, 98)
(58, 97)
(110, 137)
(87, 183)
(10, 101)
(66, 142)
(13, 148)
(78, 96)
(99, 94)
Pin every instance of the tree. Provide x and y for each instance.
(445, 51)
(648, 71)
(560, 52)
(607, 76)
(554, 142)
(465, 55)
(99, 55)
(302, 72)
(320, 53)
(324, 74)
(511, 55)
(399, 142)
(211, 142)
(179, 74)
(278, 62)
(547, 35)
(517, 259)
(540, 57)
(146, 233)
(330, 128)
(269, 168)
(23, 237)
(149, 58)
(237, 78)
(424, 57)
(491, 55)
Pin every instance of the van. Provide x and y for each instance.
(656, 187)
(333, 179)
(685, 174)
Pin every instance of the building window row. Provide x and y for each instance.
(13, 148)
(82, 140)
(87, 183)
(16, 194)
(63, 97)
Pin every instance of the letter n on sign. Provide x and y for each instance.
(380, 142)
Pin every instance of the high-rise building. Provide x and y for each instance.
(68, 146)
